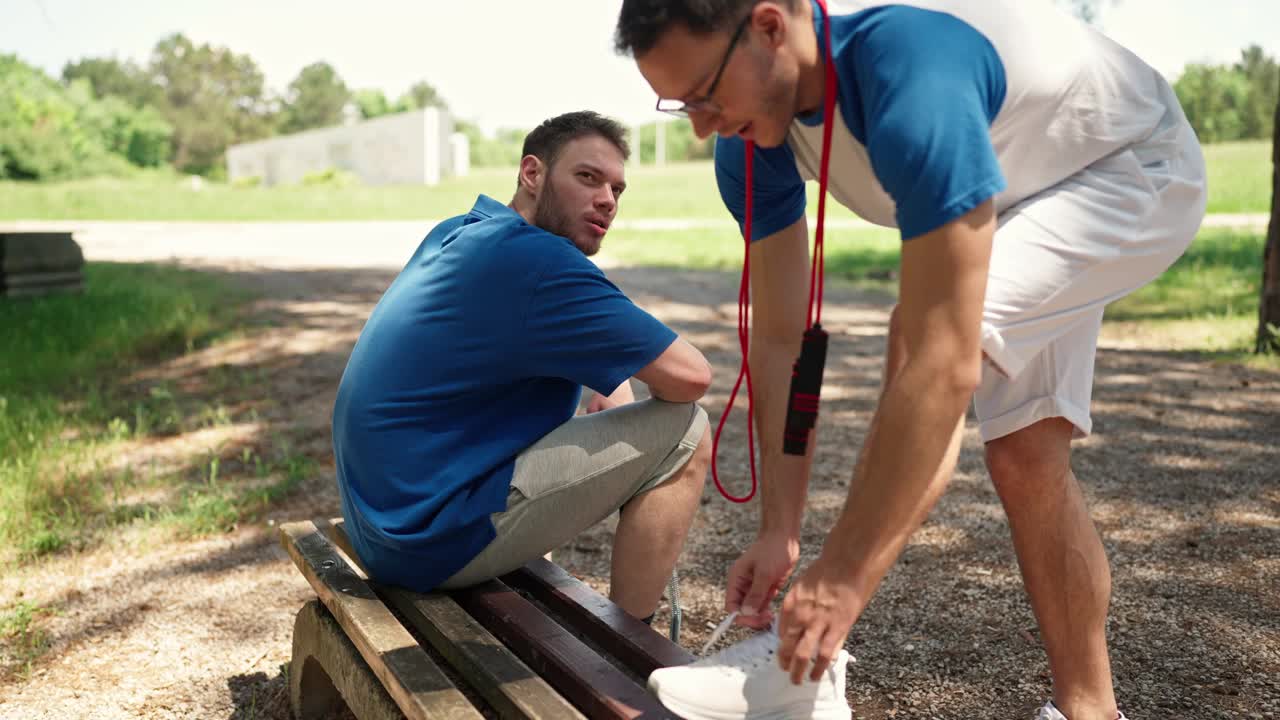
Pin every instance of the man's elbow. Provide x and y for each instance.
(695, 381)
(687, 385)
(958, 379)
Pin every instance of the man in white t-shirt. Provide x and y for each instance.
(1037, 171)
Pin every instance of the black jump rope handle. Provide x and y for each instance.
(806, 386)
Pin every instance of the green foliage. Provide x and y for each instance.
(140, 135)
(109, 77)
(681, 144)
(420, 95)
(371, 103)
(212, 97)
(316, 99)
(51, 132)
(1263, 75)
(500, 151)
(1231, 102)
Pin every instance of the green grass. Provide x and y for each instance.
(1239, 181)
(22, 640)
(128, 312)
(63, 409)
(1239, 177)
(1215, 285)
(852, 253)
(1220, 276)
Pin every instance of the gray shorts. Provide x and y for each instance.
(581, 473)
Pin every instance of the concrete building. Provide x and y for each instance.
(406, 148)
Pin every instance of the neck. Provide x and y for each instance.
(523, 204)
(812, 61)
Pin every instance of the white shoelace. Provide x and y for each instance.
(719, 631)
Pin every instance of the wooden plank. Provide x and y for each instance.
(510, 686)
(336, 531)
(418, 686)
(591, 682)
(632, 642)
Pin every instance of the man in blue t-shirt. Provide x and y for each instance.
(1037, 171)
(459, 456)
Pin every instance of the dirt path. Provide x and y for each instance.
(1183, 475)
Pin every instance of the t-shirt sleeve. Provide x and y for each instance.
(779, 190)
(930, 86)
(580, 327)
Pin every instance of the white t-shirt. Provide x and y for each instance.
(944, 104)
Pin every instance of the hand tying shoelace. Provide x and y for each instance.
(719, 632)
(743, 682)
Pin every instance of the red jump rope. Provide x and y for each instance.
(806, 373)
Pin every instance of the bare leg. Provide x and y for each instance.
(651, 533)
(1064, 566)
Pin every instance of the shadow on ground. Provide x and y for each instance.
(1183, 476)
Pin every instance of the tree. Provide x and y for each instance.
(1216, 100)
(212, 97)
(421, 95)
(110, 77)
(1269, 305)
(371, 103)
(316, 98)
(1262, 73)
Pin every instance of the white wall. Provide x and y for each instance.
(406, 148)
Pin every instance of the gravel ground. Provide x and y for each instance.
(1182, 475)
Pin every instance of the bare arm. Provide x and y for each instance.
(910, 451)
(779, 290)
(779, 307)
(679, 374)
(944, 280)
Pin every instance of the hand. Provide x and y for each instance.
(756, 577)
(600, 402)
(818, 612)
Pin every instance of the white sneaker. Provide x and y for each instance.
(1051, 712)
(743, 682)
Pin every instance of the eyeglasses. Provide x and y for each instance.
(681, 108)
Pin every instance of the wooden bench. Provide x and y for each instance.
(536, 643)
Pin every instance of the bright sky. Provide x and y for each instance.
(504, 63)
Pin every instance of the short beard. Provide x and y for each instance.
(548, 215)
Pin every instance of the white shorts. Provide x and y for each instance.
(1061, 255)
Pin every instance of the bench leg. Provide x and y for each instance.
(327, 674)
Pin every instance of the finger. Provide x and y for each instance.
(759, 621)
(762, 591)
(827, 650)
(806, 647)
(737, 585)
(790, 626)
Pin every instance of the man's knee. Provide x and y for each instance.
(1031, 457)
(694, 470)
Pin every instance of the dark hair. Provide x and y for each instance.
(641, 22)
(548, 139)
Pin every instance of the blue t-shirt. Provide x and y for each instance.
(479, 348)
(945, 104)
(918, 90)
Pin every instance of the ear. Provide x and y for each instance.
(532, 174)
(769, 24)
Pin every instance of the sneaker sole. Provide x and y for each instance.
(821, 711)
